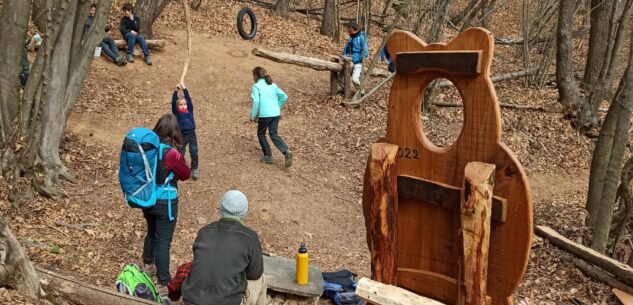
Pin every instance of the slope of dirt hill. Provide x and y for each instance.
(317, 201)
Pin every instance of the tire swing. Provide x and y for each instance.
(240, 23)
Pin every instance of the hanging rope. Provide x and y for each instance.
(188, 21)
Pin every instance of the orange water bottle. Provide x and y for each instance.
(302, 265)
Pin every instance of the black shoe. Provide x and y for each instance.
(130, 58)
(266, 159)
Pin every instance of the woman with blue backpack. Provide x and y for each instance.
(161, 218)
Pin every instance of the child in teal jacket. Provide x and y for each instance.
(267, 100)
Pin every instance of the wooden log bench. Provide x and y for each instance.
(152, 44)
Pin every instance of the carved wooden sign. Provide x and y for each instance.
(422, 239)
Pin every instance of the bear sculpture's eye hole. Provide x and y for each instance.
(443, 114)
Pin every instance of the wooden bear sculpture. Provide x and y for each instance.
(453, 224)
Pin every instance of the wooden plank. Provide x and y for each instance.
(446, 196)
(280, 275)
(476, 206)
(78, 292)
(455, 62)
(623, 297)
(384, 209)
(382, 294)
(153, 44)
(623, 271)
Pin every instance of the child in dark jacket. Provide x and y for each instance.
(183, 110)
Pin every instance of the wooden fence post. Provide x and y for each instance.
(476, 211)
(383, 211)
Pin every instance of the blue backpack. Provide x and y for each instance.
(138, 161)
(340, 287)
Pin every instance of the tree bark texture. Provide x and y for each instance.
(54, 83)
(13, 23)
(148, 11)
(604, 84)
(568, 90)
(606, 164)
(601, 13)
(281, 8)
(329, 25)
(16, 271)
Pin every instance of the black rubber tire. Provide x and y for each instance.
(240, 23)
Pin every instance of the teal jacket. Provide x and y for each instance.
(267, 100)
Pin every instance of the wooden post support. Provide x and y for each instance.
(384, 209)
(347, 77)
(334, 79)
(381, 294)
(476, 211)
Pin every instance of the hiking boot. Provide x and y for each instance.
(163, 293)
(148, 60)
(162, 290)
(266, 159)
(130, 58)
(288, 155)
(120, 61)
(195, 174)
(150, 269)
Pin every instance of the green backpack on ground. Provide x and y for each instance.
(134, 282)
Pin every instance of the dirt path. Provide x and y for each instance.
(287, 206)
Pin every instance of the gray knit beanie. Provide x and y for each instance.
(234, 204)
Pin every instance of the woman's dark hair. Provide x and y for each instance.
(168, 130)
(93, 5)
(128, 7)
(260, 72)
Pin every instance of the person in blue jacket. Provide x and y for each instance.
(267, 102)
(357, 49)
(183, 110)
(384, 55)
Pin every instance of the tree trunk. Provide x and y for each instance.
(606, 163)
(440, 10)
(604, 84)
(148, 11)
(601, 13)
(16, 271)
(568, 90)
(281, 8)
(329, 25)
(13, 23)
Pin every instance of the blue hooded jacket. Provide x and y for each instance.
(356, 47)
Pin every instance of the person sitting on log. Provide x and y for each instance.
(34, 43)
(130, 26)
(108, 46)
(357, 49)
(228, 266)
